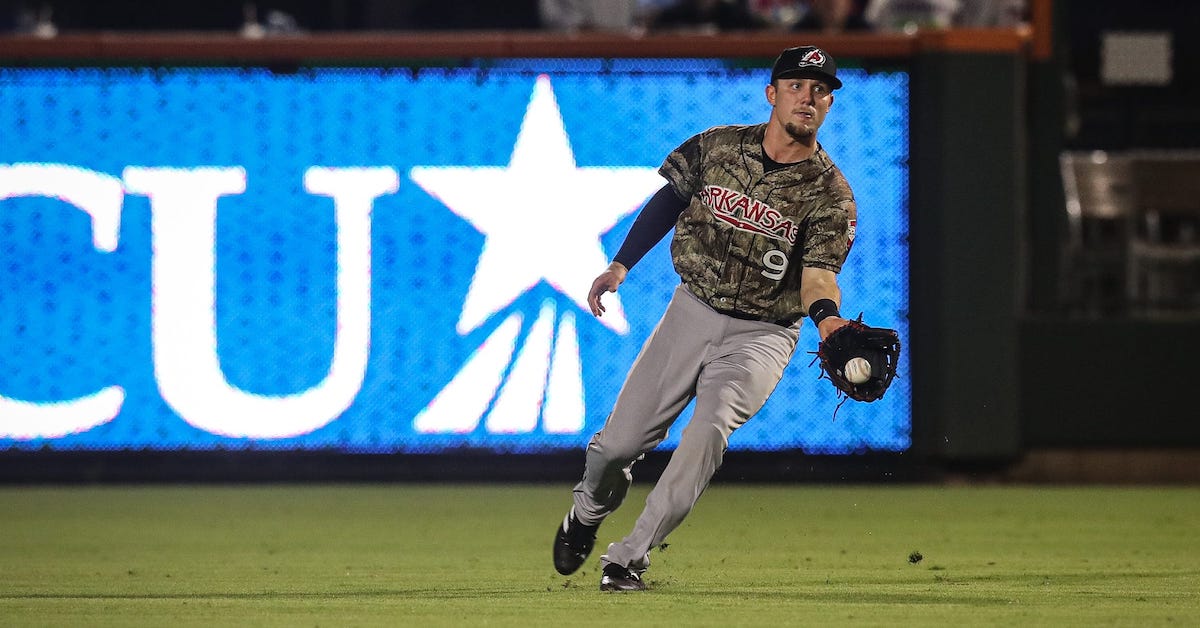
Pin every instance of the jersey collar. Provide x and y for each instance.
(814, 165)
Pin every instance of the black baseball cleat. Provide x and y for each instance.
(573, 544)
(620, 578)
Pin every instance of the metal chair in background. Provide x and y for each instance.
(1163, 266)
(1099, 191)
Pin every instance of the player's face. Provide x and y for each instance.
(801, 105)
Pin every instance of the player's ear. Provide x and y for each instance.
(771, 93)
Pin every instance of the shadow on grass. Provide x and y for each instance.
(1078, 577)
(277, 595)
(857, 597)
(934, 591)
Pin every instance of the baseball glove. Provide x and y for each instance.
(879, 346)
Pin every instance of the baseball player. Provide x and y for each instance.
(763, 222)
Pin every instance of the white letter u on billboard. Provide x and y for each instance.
(187, 367)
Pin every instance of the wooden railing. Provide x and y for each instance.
(119, 47)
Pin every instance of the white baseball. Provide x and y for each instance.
(858, 370)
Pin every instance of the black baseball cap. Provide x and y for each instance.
(806, 62)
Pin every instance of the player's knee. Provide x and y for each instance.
(615, 450)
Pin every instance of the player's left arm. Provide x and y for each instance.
(817, 285)
(827, 242)
(652, 224)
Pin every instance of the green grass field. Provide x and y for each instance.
(398, 555)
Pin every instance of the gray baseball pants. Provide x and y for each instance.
(728, 366)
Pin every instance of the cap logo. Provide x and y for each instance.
(813, 57)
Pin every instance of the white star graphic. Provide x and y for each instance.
(542, 216)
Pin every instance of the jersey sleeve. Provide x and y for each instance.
(655, 220)
(682, 168)
(829, 236)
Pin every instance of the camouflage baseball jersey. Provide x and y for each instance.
(745, 236)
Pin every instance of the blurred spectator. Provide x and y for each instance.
(909, 16)
(276, 23)
(991, 13)
(833, 16)
(582, 15)
(31, 19)
(251, 27)
(779, 14)
(707, 15)
(452, 14)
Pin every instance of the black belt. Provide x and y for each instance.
(751, 317)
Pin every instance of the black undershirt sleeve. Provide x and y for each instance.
(658, 216)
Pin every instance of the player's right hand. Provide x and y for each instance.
(608, 281)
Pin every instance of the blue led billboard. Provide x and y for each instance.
(380, 259)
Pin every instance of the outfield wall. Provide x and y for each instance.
(268, 320)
